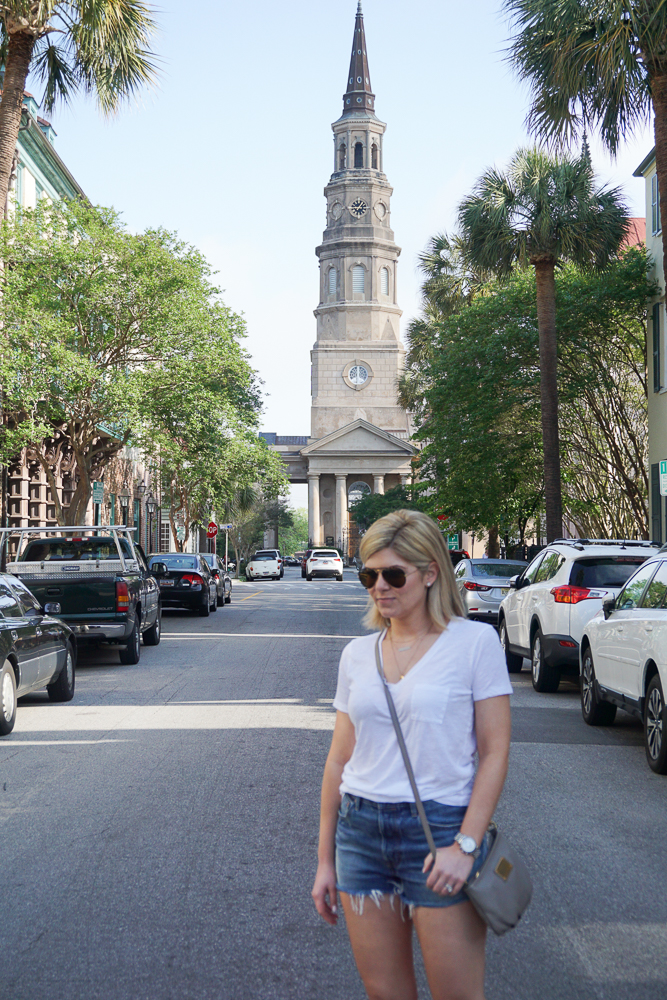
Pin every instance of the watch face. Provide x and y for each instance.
(358, 208)
(358, 375)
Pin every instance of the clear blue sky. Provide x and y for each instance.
(233, 148)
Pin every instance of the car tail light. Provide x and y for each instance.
(475, 586)
(572, 595)
(122, 596)
(216, 576)
(313, 559)
(192, 578)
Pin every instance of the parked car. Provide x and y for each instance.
(456, 555)
(266, 564)
(549, 604)
(291, 561)
(100, 578)
(304, 562)
(187, 582)
(623, 658)
(482, 584)
(36, 650)
(324, 562)
(223, 581)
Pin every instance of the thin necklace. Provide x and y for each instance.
(409, 663)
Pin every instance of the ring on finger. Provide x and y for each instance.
(449, 888)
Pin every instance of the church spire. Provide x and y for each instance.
(358, 96)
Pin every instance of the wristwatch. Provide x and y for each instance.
(467, 844)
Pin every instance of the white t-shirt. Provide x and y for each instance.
(435, 706)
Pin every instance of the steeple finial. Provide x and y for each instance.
(359, 96)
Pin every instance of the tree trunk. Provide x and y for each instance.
(19, 56)
(546, 322)
(493, 543)
(659, 94)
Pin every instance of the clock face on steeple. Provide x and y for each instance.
(358, 208)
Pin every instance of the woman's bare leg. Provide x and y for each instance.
(381, 939)
(452, 940)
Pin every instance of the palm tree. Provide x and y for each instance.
(543, 210)
(98, 46)
(594, 64)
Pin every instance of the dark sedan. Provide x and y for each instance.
(188, 582)
(223, 580)
(36, 650)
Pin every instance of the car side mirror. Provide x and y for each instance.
(159, 569)
(514, 582)
(608, 606)
(53, 608)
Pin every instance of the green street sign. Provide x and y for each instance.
(98, 492)
(180, 534)
(663, 479)
(453, 541)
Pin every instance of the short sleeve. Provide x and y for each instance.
(342, 698)
(489, 667)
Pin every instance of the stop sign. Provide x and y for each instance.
(212, 529)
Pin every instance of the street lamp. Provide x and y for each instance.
(151, 508)
(124, 499)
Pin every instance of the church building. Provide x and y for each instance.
(359, 438)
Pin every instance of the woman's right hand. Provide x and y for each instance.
(324, 893)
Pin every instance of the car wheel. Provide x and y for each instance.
(220, 600)
(655, 727)
(308, 577)
(131, 652)
(228, 597)
(214, 607)
(303, 574)
(7, 698)
(204, 610)
(340, 578)
(545, 678)
(513, 660)
(594, 711)
(152, 634)
(62, 688)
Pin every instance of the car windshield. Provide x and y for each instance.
(263, 556)
(324, 554)
(603, 571)
(210, 559)
(503, 570)
(177, 561)
(71, 549)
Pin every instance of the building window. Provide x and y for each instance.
(332, 281)
(374, 156)
(358, 155)
(384, 281)
(657, 360)
(97, 514)
(359, 279)
(136, 520)
(656, 504)
(356, 492)
(112, 508)
(656, 224)
(342, 158)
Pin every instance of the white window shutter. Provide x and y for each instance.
(384, 281)
(332, 281)
(358, 278)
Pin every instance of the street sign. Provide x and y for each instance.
(180, 534)
(98, 492)
(663, 479)
(212, 529)
(453, 541)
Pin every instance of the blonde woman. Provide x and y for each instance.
(450, 685)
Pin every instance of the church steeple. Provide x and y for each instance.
(359, 96)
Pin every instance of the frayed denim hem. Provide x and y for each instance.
(357, 900)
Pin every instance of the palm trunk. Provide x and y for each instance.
(546, 322)
(19, 55)
(659, 94)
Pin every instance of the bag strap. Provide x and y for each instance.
(404, 749)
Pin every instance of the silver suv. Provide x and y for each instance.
(544, 615)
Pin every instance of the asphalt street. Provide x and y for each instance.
(159, 832)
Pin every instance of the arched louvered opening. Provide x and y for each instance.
(342, 156)
(375, 157)
(384, 280)
(332, 281)
(359, 279)
(358, 155)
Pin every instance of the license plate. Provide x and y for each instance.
(504, 591)
(166, 583)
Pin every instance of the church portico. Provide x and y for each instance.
(359, 441)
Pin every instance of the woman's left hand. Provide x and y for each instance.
(450, 871)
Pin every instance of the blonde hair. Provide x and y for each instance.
(417, 539)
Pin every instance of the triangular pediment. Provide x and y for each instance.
(360, 437)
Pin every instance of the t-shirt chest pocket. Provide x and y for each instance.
(428, 703)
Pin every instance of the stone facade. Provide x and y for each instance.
(359, 438)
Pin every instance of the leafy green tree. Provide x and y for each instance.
(594, 64)
(543, 210)
(372, 506)
(98, 46)
(295, 537)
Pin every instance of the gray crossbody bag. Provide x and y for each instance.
(501, 890)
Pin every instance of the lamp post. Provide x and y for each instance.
(151, 508)
(124, 498)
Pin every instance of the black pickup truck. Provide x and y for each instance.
(100, 578)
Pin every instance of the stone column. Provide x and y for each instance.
(341, 509)
(405, 480)
(314, 520)
(378, 484)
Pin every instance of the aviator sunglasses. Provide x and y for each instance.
(395, 576)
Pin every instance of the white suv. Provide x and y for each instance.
(544, 615)
(624, 658)
(324, 562)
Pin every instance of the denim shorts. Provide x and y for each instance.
(381, 847)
